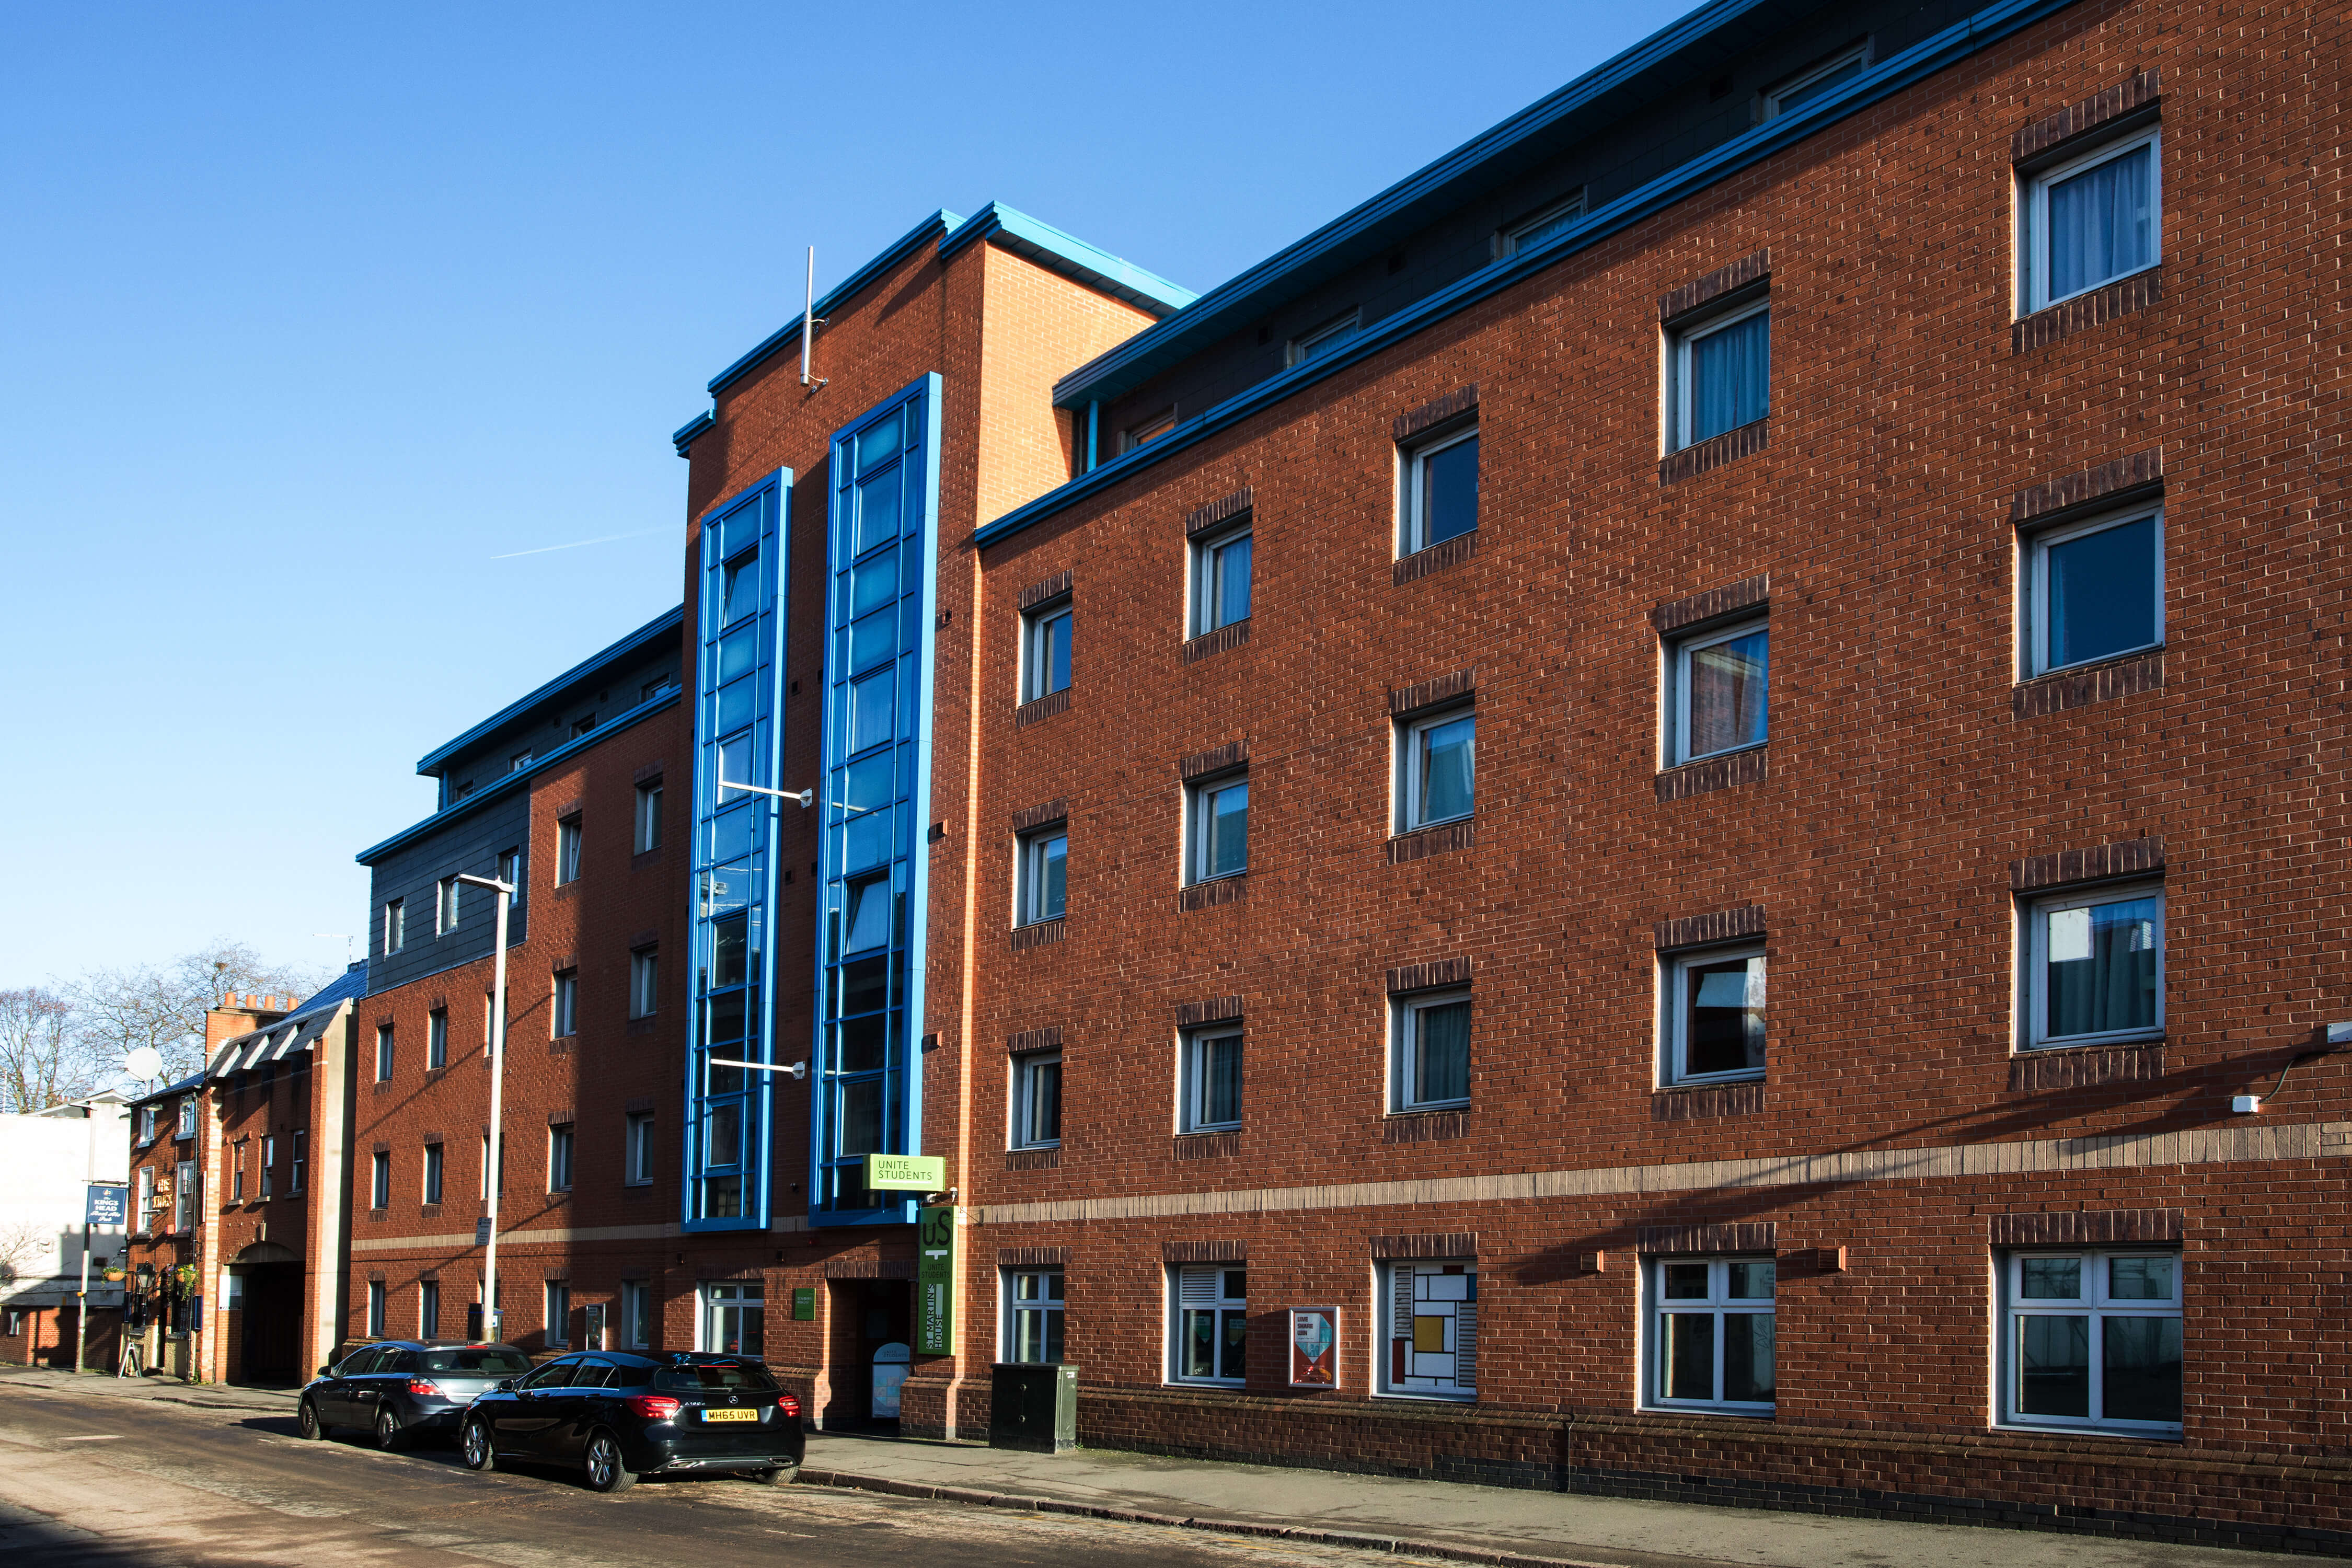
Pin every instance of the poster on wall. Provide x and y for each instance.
(1314, 1347)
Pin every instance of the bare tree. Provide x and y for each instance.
(43, 1059)
(119, 1010)
(22, 1243)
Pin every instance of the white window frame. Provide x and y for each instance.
(2033, 550)
(386, 1052)
(555, 1306)
(1412, 735)
(1514, 239)
(567, 851)
(644, 981)
(1321, 339)
(1023, 1100)
(1193, 1066)
(638, 1149)
(445, 894)
(1858, 55)
(648, 817)
(1413, 531)
(1720, 1304)
(147, 1119)
(2034, 214)
(2094, 1303)
(1679, 341)
(1205, 1288)
(1029, 876)
(436, 1038)
(1036, 669)
(1148, 430)
(1384, 1380)
(395, 924)
(563, 1011)
(2033, 991)
(266, 1186)
(296, 1159)
(511, 873)
(563, 1145)
(1199, 797)
(143, 1217)
(185, 1127)
(185, 1209)
(636, 1314)
(1674, 968)
(1205, 550)
(1010, 1305)
(1679, 650)
(1404, 1046)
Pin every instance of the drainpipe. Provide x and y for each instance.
(1093, 435)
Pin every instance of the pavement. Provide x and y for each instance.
(1318, 1510)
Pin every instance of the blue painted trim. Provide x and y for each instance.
(683, 436)
(458, 810)
(636, 642)
(1067, 253)
(939, 223)
(1954, 43)
(1093, 436)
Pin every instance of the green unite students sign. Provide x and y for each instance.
(935, 1244)
(907, 1173)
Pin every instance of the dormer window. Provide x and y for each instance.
(1533, 231)
(1326, 337)
(1151, 429)
(1816, 79)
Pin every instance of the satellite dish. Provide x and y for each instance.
(145, 1062)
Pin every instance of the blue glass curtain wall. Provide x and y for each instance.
(739, 739)
(881, 603)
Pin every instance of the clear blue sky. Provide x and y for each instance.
(309, 313)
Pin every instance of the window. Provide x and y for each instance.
(489, 1015)
(146, 1125)
(1151, 429)
(2095, 967)
(1711, 1332)
(436, 1038)
(1533, 231)
(559, 1159)
(434, 1165)
(142, 1217)
(1043, 877)
(1045, 651)
(637, 1150)
(429, 1309)
(1432, 1311)
(375, 1308)
(1219, 829)
(384, 1053)
(1211, 1323)
(187, 1119)
(636, 1315)
(1719, 374)
(1038, 1099)
(2093, 1340)
(565, 1016)
(518, 762)
(733, 1318)
(1033, 1315)
(299, 1161)
(648, 817)
(567, 851)
(184, 1195)
(444, 905)
(511, 873)
(1717, 692)
(395, 927)
(581, 725)
(1325, 338)
(268, 1165)
(559, 1313)
(1441, 491)
(1220, 580)
(659, 687)
(1816, 79)
(1715, 1016)
(2094, 590)
(12, 1321)
(1212, 1088)
(2092, 219)
(644, 975)
(236, 1174)
(1439, 761)
(1431, 1055)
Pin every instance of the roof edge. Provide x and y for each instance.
(942, 222)
(1062, 252)
(668, 620)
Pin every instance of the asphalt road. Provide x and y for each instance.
(94, 1482)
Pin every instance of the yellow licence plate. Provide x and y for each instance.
(730, 1415)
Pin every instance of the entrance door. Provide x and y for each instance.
(885, 1316)
(272, 1298)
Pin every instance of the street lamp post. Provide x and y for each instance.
(496, 1160)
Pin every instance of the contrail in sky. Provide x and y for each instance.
(576, 544)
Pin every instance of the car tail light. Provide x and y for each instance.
(786, 1405)
(653, 1407)
(425, 1388)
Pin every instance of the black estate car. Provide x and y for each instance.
(396, 1388)
(619, 1416)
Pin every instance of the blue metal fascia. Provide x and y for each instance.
(1067, 253)
(942, 222)
(459, 809)
(683, 436)
(667, 621)
(1931, 55)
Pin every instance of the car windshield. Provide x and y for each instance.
(481, 1360)
(696, 1375)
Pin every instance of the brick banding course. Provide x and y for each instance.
(1231, 635)
(1429, 693)
(1747, 593)
(2086, 1227)
(1446, 552)
(1714, 284)
(2039, 136)
(2131, 858)
(1712, 774)
(1429, 975)
(1044, 707)
(1215, 760)
(2141, 470)
(2080, 688)
(1437, 411)
(1205, 1252)
(1695, 1238)
(1201, 520)
(1048, 1038)
(1045, 814)
(1453, 1245)
(1697, 931)
(1713, 1099)
(1052, 588)
(1213, 1010)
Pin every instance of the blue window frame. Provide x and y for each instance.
(737, 740)
(881, 603)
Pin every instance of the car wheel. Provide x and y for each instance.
(474, 1446)
(606, 1470)
(308, 1420)
(779, 1476)
(387, 1430)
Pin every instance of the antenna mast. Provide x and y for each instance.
(809, 323)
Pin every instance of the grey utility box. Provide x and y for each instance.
(1033, 1407)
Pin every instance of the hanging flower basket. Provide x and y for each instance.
(113, 1275)
(185, 1274)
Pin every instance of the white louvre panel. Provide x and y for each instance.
(1401, 1295)
(1466, 1345)
(1197, 1286)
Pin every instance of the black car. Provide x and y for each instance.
(396, 1388)
(619, 1416)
